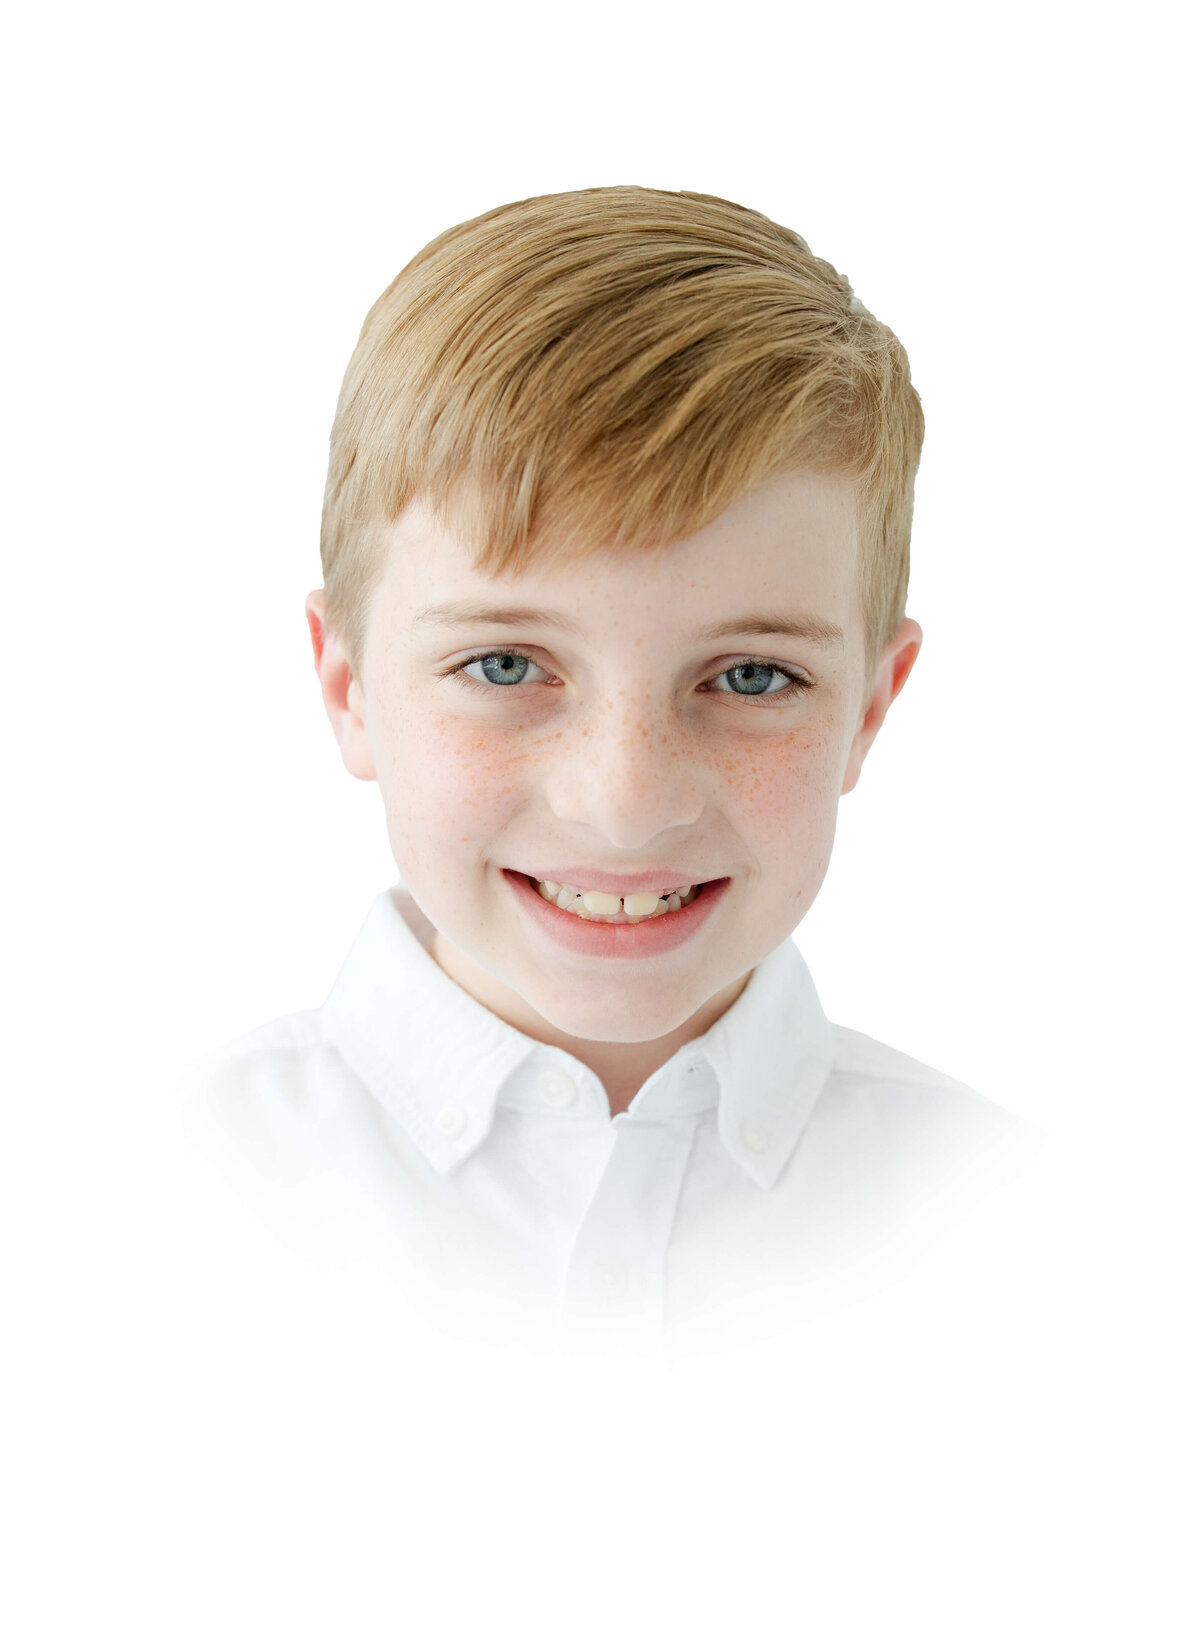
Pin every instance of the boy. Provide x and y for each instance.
(615, 549)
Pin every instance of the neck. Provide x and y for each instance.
(621, 1066)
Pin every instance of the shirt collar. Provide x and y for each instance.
(438, 1060)
(434, 1057)
(772, 1053)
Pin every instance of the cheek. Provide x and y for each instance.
(471, 779)
(784, 789)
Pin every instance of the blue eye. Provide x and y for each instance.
(752, 677)
(749, 678)
(502, 669)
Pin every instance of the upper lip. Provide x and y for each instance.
(579, 875)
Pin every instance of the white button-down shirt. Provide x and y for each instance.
(773, 1167)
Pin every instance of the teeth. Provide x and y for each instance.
(607, 906)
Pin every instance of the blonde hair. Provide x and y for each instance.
(614, 367)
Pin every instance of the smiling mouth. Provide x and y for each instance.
(628, 910)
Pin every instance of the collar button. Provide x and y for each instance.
(753, 1138)
(451, 1122)
(556, 1088)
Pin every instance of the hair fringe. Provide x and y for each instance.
(614, 367)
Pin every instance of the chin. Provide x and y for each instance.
(617, 1019)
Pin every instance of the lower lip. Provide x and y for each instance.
(653, 937)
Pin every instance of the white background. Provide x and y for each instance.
(204, 204)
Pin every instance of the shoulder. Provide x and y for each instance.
(281, 1054)
(270, 1091)
(278, 1121)
(900, 1154)
(922, 1119)
(281, 1038)
(902, 1083)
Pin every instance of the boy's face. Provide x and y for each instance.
(634, 741)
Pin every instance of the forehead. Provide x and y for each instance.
(789, 546)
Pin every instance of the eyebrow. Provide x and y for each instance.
(808, 628)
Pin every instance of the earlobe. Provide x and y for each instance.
(341, 693)
(892, 672)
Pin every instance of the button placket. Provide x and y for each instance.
(609, 1277)
(616, 1274)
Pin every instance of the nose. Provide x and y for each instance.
(626, 774)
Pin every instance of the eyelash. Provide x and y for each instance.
(797, 683)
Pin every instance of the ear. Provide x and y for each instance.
(344, 704)
(896, 661)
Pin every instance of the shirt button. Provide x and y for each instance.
(451, 1122)
(754, 1138)
(610, 1277)
(556, 1087)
